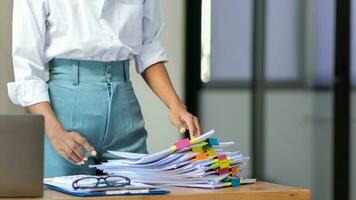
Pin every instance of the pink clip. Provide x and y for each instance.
(221, 157)
(223, 171)
(182, 143)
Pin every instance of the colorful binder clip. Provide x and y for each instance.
(223, 171)
(224, 164)
(197, 149)
(211, 152)
(221, 157)
(235, 182)
(234, 171)
(201, 156)
(213, 141)
(182, 143)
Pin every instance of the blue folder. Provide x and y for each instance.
(151, 191)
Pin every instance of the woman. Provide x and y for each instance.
(71, 63)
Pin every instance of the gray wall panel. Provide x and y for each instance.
(231, 40)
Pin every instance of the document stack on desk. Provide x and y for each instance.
(200, 162)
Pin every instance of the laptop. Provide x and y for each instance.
(21, 155)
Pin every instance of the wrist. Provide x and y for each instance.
(55, 132)
(177, 106)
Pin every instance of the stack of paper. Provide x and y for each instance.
(199, 162)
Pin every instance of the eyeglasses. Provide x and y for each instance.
(100, 182)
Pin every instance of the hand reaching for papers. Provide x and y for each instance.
(156, 76)
(183, 120)
(69, 146)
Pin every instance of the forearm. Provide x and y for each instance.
(158, 79)
(52, 125)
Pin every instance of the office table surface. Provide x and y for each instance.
(257, 191)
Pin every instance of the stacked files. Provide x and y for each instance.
(200, 162)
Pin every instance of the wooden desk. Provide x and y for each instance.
(258, 191)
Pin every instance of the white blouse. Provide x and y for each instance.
(101, 30)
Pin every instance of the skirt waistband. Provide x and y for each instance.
(82, 71)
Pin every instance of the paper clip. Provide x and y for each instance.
(197, 149)
(228, 184)
(182, 143)
(234, 171)
(223, 171)
(221, 157)
(224, 164)
(235, 182)
(201, 156)
(193, 141)
(213, 141)
(173, 148)
(211, 152)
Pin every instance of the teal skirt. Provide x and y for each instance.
(97, 100)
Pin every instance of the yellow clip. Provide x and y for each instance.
(203, 143)
(224, 164)
(216, 165)
(193, 140)
(173, 148)
(211, 152)
(197, 149)
(228, 184)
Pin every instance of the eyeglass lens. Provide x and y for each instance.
(114, 181)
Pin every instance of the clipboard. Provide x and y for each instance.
(149, 191)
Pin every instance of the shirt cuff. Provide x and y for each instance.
(150, 54)
(29, 92)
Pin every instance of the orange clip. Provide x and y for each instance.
(234, 171)
(201, 156)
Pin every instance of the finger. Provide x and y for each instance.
(67, 157)
(197, 126)
(179, 124)
(190, 123)
(69, 149)
(84, 143)
(182, 129)
(78, 151)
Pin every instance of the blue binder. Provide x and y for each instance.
(151, 191)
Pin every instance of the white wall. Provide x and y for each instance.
(161, 133)
(6, 72)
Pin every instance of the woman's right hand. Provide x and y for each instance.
(70, 145)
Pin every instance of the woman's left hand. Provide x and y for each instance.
(183, 120)
(158, 79)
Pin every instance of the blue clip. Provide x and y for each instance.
(235, 182)
(213, 141)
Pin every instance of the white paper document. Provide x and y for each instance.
(200, 162)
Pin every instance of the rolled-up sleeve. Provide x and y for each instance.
(28, 41)
(152, 49)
